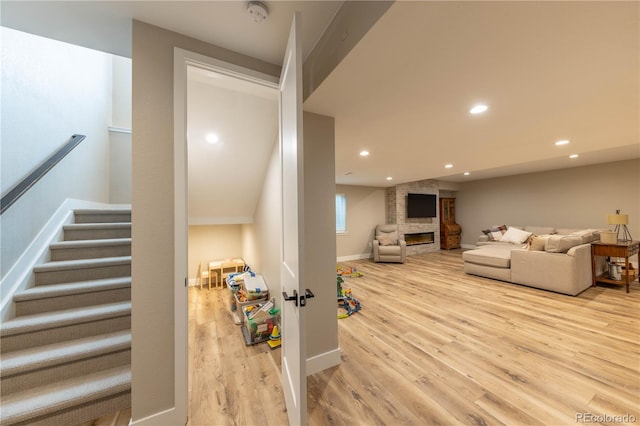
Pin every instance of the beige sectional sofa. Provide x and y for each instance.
(551, 259)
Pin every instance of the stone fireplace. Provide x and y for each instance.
(416, 231)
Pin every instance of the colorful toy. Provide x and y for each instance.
(340, 281)
(348, 272)
(346, 301)
(275, 340)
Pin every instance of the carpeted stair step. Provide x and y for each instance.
(108, 215)
(29, 368)
(81, 270)
(71, 401)
(54, 297)
(50, 327)
(96, 231)
(90, 249)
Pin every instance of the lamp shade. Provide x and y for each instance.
(617, 219)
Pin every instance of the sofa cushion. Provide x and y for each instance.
(540, 230)
(390, 250)
(496, 256)
(567, 231)
(388, 238)
(515, 236)
(561, 243)
(588, 235)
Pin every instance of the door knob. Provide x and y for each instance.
(307, 295)
(294, 297)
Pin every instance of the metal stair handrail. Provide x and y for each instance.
(17, 191)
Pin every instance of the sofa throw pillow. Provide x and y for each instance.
(515, 236)
(387, 238)
(495, 232)
(561, 243)
(537, 242)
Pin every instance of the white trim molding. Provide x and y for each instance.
(119, 130)
(166, 417)
(355, 257)
(323, 361)
(226, 220)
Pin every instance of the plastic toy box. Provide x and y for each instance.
(250, 292)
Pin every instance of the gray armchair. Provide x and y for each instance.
(387, 246)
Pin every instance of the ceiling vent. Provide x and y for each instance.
(257, 11)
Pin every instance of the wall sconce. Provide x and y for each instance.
(620, 221)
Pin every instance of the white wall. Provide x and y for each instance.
(319, 243)
(119, 167)
(365, 210)
(261, 239)
(572, 198)
(51, 90)
(212, 242)
(121, 109)
(120, 134)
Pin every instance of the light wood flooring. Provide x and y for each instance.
(432, 346)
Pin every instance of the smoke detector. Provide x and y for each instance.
(257, 11)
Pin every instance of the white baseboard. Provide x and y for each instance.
(166, 417)
(20, 276)
(323, 361)
(468, 246)
(354, 257)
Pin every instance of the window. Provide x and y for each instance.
(341, 213)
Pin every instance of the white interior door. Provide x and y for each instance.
(294, 377)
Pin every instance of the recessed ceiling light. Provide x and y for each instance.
(574, 156)
(562, 142)
(478, 109)
(448, 166)
(364, 153)
(466, 173)
(212, 138)
(389, 178)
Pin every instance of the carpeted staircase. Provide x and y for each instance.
(65, 358)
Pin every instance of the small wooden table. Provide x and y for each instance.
(219, 267)
(624, 249)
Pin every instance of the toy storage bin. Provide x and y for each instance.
(250, 288)
(257, 331)
(238, 314)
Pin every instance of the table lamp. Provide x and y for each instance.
(620, 221)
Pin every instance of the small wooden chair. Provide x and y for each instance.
(206, 274)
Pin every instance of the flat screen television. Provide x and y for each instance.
(421, 205)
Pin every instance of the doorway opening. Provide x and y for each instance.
(228, 123)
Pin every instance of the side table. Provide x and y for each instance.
(624, 249)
